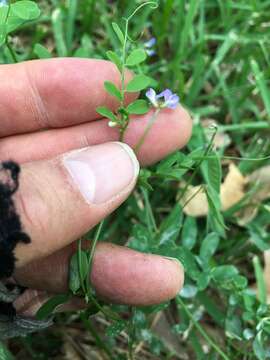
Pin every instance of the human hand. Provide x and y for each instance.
(47, 110)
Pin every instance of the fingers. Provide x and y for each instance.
(61, 199)
(53, 93)
(119, 274)
(170, 132)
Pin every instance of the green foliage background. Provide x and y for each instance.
(215, 55)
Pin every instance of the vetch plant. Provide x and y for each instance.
(130, 57)
(222, 311)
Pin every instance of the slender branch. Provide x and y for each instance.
(201, 330)
(91, 256)
(146, 131)
(208, 149)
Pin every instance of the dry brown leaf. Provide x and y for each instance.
(261, 179)
(231, 192)
(194, 201)
(232, 189)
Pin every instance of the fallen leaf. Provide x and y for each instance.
(194, 201)
(261, 180)
(232, 189)
(231, 192)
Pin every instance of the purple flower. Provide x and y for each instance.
(148, 45)
(165, 99)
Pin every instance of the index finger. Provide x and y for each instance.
(54, 93)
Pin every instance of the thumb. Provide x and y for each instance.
(59, 200)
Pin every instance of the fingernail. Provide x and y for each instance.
(102, 172)
(176, 260)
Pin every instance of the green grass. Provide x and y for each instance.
(215, 55)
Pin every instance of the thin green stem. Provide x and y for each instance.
(153, 3)
(109, 315)
(131, 334)
(101, 344)
(79, 256)
(124, 122)
(192, 196)
(201, 330)
(146, 131)
(246, 126)
(208, 149)
(91, 256)
(152, 222)
(232, 158)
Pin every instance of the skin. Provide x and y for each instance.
(47, 109)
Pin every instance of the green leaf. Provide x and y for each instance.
(143, 180)
(138, 107)
(113, 90)
(136, 57)
(116, 328)
(48, 308)
(138, 83)
(224, 273)
(41, 52)
(258, 346)
(4, 353)
(214, 216)
(214, 172)
(18, 15)
(26, 10)
(113, 57)
(3, 24)
(58, 17)
(118, 32)
(189, 262)
(189, 233)
(104, 111)
(140, 238)
(262, 290)
(209, 246)
(75, 277)
(233, 327)
(170, 227)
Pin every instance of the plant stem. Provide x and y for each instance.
(109, 315)
(79, 257)
(96, 336)
(91, 256)
(153, 224)
(146, 131)
(125, 121)
(208, 149)
(192, 196)
(201, 330)
(131, 334)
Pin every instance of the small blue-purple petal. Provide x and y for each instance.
(150, 43)
(165, 94)
(150, 52)
(172, 102)
(152, 96)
